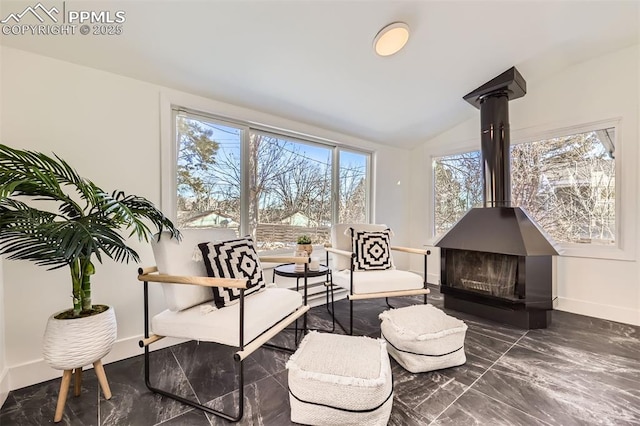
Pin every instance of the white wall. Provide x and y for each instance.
(604, 88)
(4, 376)
(108, 127)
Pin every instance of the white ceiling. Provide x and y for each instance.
(312, 61)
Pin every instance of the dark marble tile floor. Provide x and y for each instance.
(579, 371)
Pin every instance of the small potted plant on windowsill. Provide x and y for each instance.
(304, 244)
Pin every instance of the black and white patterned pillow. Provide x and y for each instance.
(372, 249)
(232, 259)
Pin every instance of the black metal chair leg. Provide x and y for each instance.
(226, 416)
(333, 309)
(147, 372)
(329, 288)
(351, 317)
(335, 320)
(386, 299)
(424, 282)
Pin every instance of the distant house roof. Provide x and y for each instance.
(299, 219)
(210, 219)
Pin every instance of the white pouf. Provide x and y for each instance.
(423, 338)
(340, 380)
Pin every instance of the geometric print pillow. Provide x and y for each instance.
(232, 259)
(372, 249)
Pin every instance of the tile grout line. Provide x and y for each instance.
(515, 408)
(480, 377)
(176, 416)
(190, 387)
(210, 417)
(564, 346)
(430, 395)
(500, 339)
(185, 376)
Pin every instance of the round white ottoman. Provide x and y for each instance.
(340, 380)
(423, 338)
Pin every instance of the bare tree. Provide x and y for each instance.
(458, 187)
(353, 196)
(269, 160)
(303, 189)
(284, 179)
(567, 184)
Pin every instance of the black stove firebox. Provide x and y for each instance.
(495, 261)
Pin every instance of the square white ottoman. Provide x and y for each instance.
(423, 338)
(340, 380)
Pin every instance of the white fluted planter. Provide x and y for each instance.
(75, 343)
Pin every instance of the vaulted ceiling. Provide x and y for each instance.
(312, 61)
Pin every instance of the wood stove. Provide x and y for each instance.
(495, 261)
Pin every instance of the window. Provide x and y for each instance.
(354, 184)
(207, 173)
(268, 185)
(457, 188)
(567, 184)
(289, 190)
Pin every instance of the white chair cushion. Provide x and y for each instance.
(204, 322)
(175, 257)
(378, 281)
(341, 241)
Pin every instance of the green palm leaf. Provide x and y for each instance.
(86, 222)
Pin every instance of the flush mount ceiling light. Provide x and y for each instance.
(391, 39)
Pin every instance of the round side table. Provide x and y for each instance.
(288, 270)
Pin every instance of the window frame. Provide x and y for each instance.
(169, 151)
(625, 228)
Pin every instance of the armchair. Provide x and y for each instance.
(363, 265)
(246, 324)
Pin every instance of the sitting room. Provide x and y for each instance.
(345, 212)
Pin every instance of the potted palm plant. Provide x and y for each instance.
(54, 217)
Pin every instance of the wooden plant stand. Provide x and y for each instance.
(77, 386)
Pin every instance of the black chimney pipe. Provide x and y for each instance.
(496, 156)
(492, 98)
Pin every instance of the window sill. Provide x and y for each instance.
(596, 252)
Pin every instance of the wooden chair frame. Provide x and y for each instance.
(362, 296)
(147, 275)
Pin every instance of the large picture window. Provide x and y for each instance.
(567, 184)
(271, 186)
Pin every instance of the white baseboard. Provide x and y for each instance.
(38, 371)
(30, 373)
(597, 310)
(433, 278)
(4, 386)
